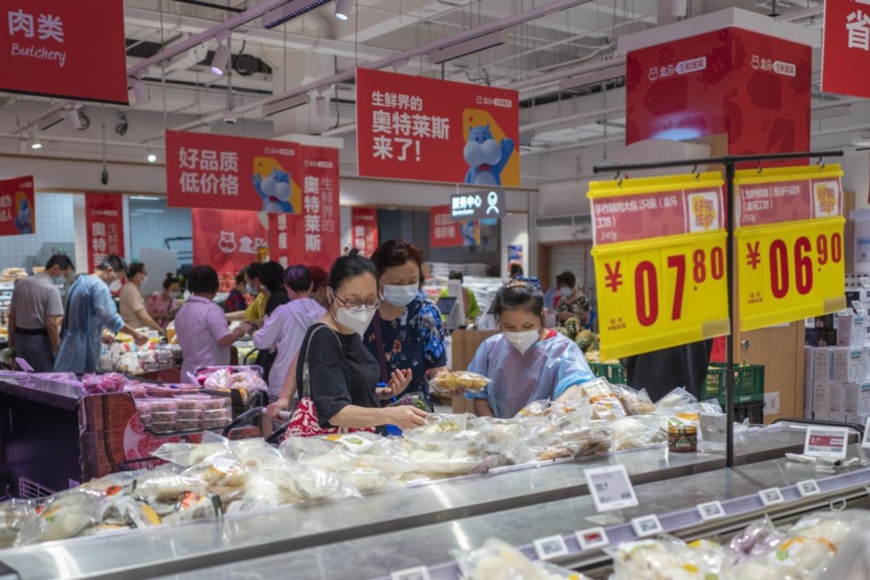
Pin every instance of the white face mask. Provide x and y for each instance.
(145, 279)
(173, 295)
(400, 295)
(565, 292)
(522, 341)
(355, 320)
(115, 286)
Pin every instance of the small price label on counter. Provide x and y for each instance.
(659, 262)
(789, 244)
(592, 538)
(826, 442)
(610, 487)
(418, 573)
(711, 510)
(646, 526)
(808, 487)
(551, 547)
(771, 496)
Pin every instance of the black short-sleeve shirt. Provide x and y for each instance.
(341, 372)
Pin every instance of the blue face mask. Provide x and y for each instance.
(251, 290)
(58, 280)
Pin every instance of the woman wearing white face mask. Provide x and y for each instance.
(571, 304)
(526, 362)
(407, 332)
(343, 376)
(162, 306)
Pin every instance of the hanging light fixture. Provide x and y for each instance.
(34, 139)
(72, 117)
(343, 9)
(140, 91)
(221, 59)
(151, 157)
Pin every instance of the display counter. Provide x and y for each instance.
(309, 529)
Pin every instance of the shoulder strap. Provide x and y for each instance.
(306, 383)
(379, 339)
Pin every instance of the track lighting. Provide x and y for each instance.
(221, 58)
(34, 140)
(72, 117)
(343, 9)
(151, 157)
(140, 92)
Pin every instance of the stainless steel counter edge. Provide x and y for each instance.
(52, 393)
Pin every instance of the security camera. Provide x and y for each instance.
(230, 118)
(104, 176)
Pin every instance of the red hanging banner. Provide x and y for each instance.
(312, 236)
(58, 49)
(445, 233)
(17, 209)
(846, 48)
(221, 172)
(411, 127)
(227, 241)
(104, 220)
(364, 229)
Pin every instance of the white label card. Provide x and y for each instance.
(551, 547)
(711, 510)
(826, 442)
(592, 538)
(808, 487)
(866, 442)
(610, 488)
(418, 573)
(771, 496)
(646, 526)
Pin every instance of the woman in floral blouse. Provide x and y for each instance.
(407, 332)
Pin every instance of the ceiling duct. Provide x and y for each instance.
(472, 46)
(286, 104)
(289, 11)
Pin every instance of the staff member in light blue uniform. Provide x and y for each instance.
(526, 362)
(89, 309)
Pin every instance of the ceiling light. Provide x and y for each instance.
(343, 8)
(679, 8)
(468, 47)
(73, 119)
(862, 141)
(34, 139)
(221, 58)
(593, 77)
(320, 104)
(289, 11)
(140, 92)
(22, 146)
(151, 157)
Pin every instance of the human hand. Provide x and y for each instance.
(108, 339)
(406, 416)
(399, 381)
(141, 339)
(277, 407)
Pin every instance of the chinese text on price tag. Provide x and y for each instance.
(610, 487)
(789, 244)
(659, 262)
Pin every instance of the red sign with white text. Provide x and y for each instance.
(226, 241)
(364, 229)
(846, 48)
(58, 49)
(222, 172)
(788, 201)
(446, 233)
(311, 237)
(104, 220)
(423, 129)
(17, 209)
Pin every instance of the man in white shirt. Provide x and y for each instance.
(36, 312)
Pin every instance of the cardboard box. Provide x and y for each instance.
(840, 371)
(835, 402)
(822, 366)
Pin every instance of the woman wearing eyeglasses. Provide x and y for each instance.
(343, 375)
(526, 362)
(407, 332)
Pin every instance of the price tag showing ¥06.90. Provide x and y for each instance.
(610, 488)
(790, 254)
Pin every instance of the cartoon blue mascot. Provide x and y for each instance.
(485, 156)
(24, 219)
(275, 191)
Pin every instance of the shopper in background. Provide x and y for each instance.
(572, 303)
(472, 310)
(272, 283)
(661, 371)
(255, 312)
(286, 327)
(526, 362)
(236, 299)
(131, 304)
(319, 277)
(407, 332)
(162, 306)
(342, 374)
(35, 314)
(201, 327)
(90, 308)
(516, 271)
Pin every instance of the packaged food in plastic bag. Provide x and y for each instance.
(635, 402)
(666, 559)
(639, 431)
(302, 482)
(123, 510)
(607, 407)
(413, 400)
(15, 514)
(677, 398)
(107, 383)
(191, 506)
(498, 560)
(166, 484)
(64, 515)
(457, 383)
(227, 379)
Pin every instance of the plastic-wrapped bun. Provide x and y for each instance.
(497, 560)
(65, 515)
(458, 383)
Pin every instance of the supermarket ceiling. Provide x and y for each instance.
(533, 51)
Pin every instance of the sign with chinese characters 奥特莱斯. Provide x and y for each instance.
(104, 219)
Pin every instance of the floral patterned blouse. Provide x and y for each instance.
(414, 340)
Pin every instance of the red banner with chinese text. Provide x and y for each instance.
(445, 233)
(226, 241)
(236, 173)
(312, 236)
(17, 206)
(50, 48)
(846, 48)
(417, 128)
(364, 229)
(104, 220)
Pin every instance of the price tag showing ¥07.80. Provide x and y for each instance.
(790, 271)
(659, 293)
(610, 488)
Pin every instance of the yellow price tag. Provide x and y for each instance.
(661, 292)
(790, 271)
